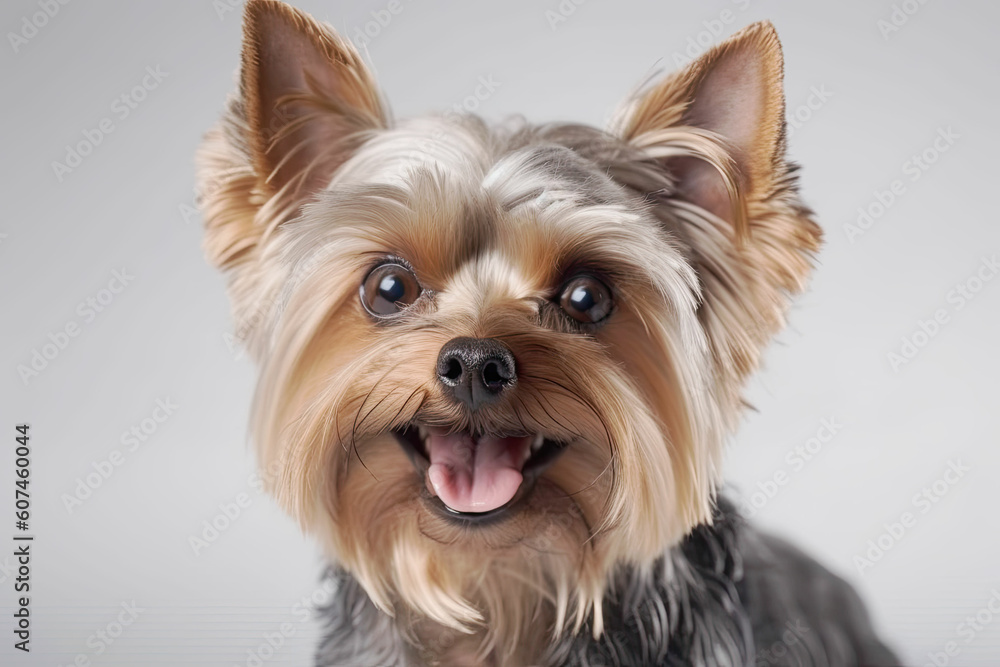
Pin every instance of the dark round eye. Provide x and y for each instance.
(586, 299)
(388, 289)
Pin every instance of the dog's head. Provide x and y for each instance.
(504, 350)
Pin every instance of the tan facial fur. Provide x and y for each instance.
(685, 209)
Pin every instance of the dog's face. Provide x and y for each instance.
(498, 351)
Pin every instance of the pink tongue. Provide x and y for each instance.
(475, 475)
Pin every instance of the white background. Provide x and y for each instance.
(127, 206)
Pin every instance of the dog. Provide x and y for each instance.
(498, 364)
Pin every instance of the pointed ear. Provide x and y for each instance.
(307, 96)
(306, 102)
(734, 92)
(716, 128)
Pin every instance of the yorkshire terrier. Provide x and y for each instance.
(499, 363)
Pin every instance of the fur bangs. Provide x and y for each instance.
(690, 218)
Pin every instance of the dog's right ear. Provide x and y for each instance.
(306, 102)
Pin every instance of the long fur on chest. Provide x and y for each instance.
(686, 610)
(726, 596)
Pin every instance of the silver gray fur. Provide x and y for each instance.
(727, 596)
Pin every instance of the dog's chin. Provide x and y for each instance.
(476, 478)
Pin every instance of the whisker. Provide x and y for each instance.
(354, 427)
(407, 402)
(607, 435)
(584, 401)
(558, 421)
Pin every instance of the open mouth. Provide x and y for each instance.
(475, 476)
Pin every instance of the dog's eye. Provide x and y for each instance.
(388, 289)
(586, 299)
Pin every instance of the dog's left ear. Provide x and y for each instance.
(733, 92)
(306, 102)
(305, 92)
(717, 127)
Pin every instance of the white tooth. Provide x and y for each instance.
(537, 443)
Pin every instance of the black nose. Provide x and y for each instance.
(476, 370)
